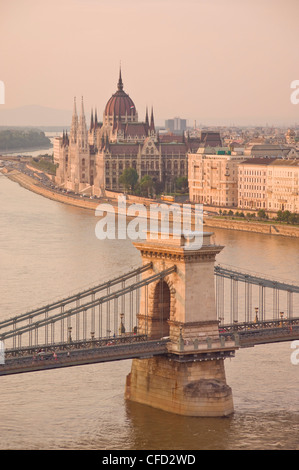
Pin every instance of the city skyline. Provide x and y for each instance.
(216, 63)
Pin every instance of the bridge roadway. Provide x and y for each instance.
(76, 353)
(80, 353)
(262, 332)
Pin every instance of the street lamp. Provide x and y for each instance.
(256, 315)
(69, 334)
(122, 329)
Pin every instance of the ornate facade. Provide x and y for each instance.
(93, 160)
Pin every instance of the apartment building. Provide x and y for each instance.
(252, 183)
(283, 185)
(213, 176)
(269, 183)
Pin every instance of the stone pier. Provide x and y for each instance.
(190, 380)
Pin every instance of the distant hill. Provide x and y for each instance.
(15, 139)
(35, 115)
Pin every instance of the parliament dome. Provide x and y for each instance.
(120, 104)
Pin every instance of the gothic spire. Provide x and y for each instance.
(82, 129)
(82, 107)
(75, 107)
(120, 85)
(152, 126)
(74, 125)
(91, 120)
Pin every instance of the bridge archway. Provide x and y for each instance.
(161, 307)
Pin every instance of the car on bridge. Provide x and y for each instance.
(44, 356)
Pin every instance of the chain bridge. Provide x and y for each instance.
(108, 322)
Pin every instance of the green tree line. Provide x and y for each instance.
(147, 186)
(281, 216)
(11, 139)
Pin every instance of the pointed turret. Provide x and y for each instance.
(74, 125)
(91, 121)
(152, 125)
(82, 129)
(120, 85)
(146, 118)
(82, 115)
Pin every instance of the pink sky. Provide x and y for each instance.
(216, 61)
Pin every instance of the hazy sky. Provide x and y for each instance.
(216, 61)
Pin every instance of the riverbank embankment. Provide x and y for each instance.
(31, 184)
(256, 227)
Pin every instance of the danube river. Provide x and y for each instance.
(48, 250)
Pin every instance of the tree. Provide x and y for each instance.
(181, 183)
(129, 178)
(279, 215)
(146, 185)
(158, 186)
(262, 214)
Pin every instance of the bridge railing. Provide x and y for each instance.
(246, 297)
(112, 314)
(112, 309)
(76, 299)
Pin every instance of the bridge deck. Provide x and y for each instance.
(68, 357)
(123, 348)
(252, 334)
(116, 311)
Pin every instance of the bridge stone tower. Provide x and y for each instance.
(190, 380)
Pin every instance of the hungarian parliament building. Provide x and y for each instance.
(92, 160)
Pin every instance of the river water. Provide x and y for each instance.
(48, 250)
